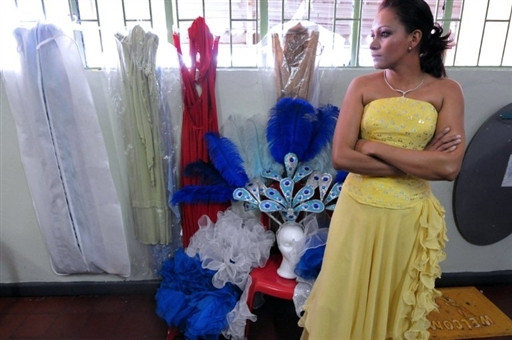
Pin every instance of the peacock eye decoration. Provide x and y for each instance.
(301, 191)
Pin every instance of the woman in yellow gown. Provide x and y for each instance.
(398, 129)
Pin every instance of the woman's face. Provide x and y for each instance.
(390, 41)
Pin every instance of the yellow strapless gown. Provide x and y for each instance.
(385, 242)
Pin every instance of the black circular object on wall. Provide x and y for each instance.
(482, 195)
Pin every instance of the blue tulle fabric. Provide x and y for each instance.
(204, 287)
(188, 300)
(309, 265)
(310, 262)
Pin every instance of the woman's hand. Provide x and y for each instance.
(360, 146)
(444, 141)
(365, 147)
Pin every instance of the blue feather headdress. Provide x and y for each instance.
(290, 128)
(295, 126)
(323, 130)
(296, 133)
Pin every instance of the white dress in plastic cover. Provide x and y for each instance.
(64, 155)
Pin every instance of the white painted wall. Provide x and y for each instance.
(23, 254)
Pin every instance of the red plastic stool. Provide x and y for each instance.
(265, 280)
(172, 333)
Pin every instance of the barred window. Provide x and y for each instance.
(480, 28)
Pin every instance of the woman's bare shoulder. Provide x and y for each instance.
(448, 84)
(367, 79)
(367, 86)
(439, 91)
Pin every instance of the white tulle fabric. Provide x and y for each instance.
(237, 318)
(232, 247)
(317, 238)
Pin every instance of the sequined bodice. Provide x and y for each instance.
(402, 122)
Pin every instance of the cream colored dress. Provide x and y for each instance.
(385, 242)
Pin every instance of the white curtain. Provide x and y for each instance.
(64, 155)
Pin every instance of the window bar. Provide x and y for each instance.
(177, 19)
(74, 13)
(457, 40)
(43, 8)
(447, 15)
(80, 20)
(98, 23)
(263, 22)
(150, 13)
(169, 19)
(436, 12)
(483, 33)
(126, 20)
(506, 35)
(502, 59)
(73, 9)
(282, 13)
(124, 13)
(334, 20)
(335, 15)
(230, 33)
(356, 32)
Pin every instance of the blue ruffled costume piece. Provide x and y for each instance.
(187, 299)
(310, 263)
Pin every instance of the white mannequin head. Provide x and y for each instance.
(290, 240)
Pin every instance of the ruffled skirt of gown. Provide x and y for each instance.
(378, 273)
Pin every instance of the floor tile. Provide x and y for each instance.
(9, 323)
(33, 326)
(133, 317)
(66, 326)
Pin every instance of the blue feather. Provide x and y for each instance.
(323, 130)
(340, 176)
(206, 172)
(203, 194)
(227, 160)
(248, 134)
(290, 128)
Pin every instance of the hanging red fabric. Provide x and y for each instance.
(199, 116)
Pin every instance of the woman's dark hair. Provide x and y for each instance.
(416, 14)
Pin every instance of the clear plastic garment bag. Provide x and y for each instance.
(64, 155)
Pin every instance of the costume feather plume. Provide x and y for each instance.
(212, 188)
(323, 130)
(262, 159)
(340, 176)
(227, 160)
(290, 128)
(206, 173)
(233, 128)
(203, 194)
(244, 134)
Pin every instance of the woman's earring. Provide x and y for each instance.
(409, 48)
